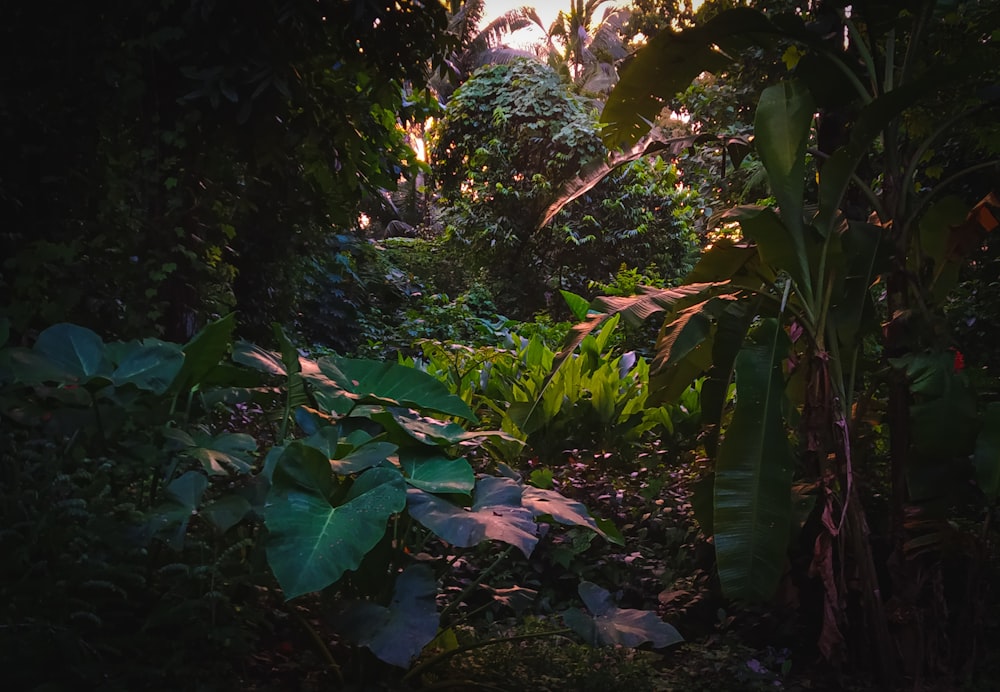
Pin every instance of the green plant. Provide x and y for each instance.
(787, 309)
(128, 510)
(598, 401)
(513, 138)
(382, 472)
(372, 472)
(219, 150)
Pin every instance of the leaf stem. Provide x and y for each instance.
(321, 646)
(444, 656)
(478, 580)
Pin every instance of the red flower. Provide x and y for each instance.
(959, 360)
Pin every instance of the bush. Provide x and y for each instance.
(512, 139)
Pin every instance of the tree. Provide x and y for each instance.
(478, 46)
(511, 137)
(583, 49)
(162, 158)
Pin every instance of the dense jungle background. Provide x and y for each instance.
(363, 345)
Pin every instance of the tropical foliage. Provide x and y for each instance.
(304, 383)
(497, 184)
(792, 301)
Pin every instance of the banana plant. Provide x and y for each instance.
(786, 308)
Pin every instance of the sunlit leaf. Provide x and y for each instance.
(224, 453)
(394, 384)
(560, 508)
(495, 514)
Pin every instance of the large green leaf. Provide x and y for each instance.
(393, 384)
(312, 542)
(295, 386)
(152, 366)
(781, 133)
(667, 64)
(252, 355)
(288, 364)
(76, 350)
(397, 633)
(609, 625)
(864, 254)
(227, 511)
(943, 421)
(577, 304)
(726, 260)
(682, 335)
(363, 457)
(29, 367)
(437, 473)
(204, 352)
(180, 501)
(731, 328)
(781, 247)
(753, 473)
(496, 513)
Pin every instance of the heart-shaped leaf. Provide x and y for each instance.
(437, 473)
(227, 511)
(180, 500)
(152, 367)
(398, 633)
(224, 453)
(560, 508)
(76, 350)
(424, 429)
(394, 384)
(312, 543)
(495, 514)
(204, 352)
(608, 625)
(363, 457)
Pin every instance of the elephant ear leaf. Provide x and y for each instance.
(313, 542)
(75, 350)
(608, 625)
(393, 385)
(753, 474)
(399, 632)
(497, 513)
